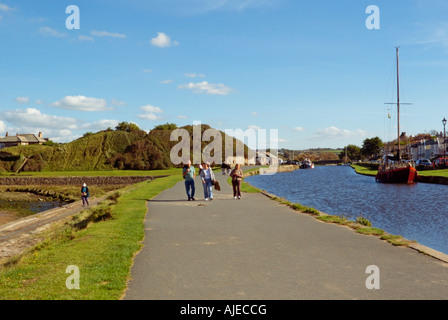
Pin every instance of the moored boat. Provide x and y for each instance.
(401, 173)
(307, 164)
(396, 172)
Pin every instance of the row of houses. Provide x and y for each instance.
(23, 139)
(429, 148)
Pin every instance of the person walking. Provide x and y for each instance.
(207, 177)
(85, 195)
(237, 179)
(189, 173)
(223, 168)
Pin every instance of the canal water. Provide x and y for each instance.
(416, 212)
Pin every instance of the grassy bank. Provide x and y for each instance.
(425, 173)
(364, 170)
(103, 251)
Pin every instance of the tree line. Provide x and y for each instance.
(371, 149)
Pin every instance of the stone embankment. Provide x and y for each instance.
(75, 181)
(432, 179)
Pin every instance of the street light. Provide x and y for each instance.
(444, 139)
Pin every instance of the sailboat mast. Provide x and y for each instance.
(398, 108)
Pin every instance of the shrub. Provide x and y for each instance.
(363, 221)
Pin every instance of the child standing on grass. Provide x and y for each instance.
(85, 194)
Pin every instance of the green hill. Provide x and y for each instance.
(105, 150)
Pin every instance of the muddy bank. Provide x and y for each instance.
(73, 181)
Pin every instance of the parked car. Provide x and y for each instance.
(424, 162)
(441, 162)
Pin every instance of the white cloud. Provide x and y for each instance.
(81, 103)
(194, 75)
(336, 133)
(254, 113)
(85, 38)
(299, 129)
(182, 117)
(33, 118)
(162, 41)
(51, 32)
(119, 103)
(166, 81)
(3, 128)
(253, 127)
(22, 99)
(5, 7)
(149, 116)
(107, 34)
(205, 87)
(1, 18)
(100, 125)
(151, 113)
(38, 101)
(147, 71)
(151, 109)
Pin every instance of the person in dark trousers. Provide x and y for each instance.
(237, 179)
(189, 173)
(207, 177)
(85, 195)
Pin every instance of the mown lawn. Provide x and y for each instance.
(364, 170)
(103, 252)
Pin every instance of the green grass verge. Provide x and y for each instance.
(364, 170)
(426, 173)
(434, 173)
(103, 252)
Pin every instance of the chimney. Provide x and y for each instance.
(40, 135)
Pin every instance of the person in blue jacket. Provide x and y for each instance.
(85, 194)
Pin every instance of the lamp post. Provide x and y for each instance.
(444, 139)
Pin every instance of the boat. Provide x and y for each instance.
(307, 164)
(346, 163)
(396, 171)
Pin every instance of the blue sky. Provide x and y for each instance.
(311, 69)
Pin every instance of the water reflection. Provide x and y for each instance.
(416, 212)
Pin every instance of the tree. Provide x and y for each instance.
(166, 126)
(372, 147)
(127, 126)
(353, 152)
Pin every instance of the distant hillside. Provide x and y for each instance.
(90, 152)
(106, 150)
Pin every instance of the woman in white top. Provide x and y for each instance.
(207, 177)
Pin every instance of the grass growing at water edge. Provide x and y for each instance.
(102, 250)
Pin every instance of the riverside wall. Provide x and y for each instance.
(74, 181)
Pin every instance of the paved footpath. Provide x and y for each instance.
(257, 249)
